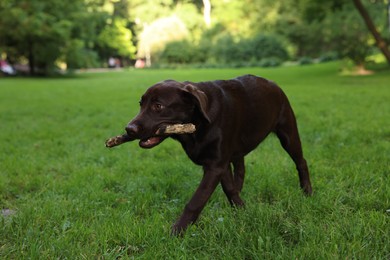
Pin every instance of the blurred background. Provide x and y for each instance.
(52, 36)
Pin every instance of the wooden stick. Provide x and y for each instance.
(118, 140)
(166, 130)
(177, 129)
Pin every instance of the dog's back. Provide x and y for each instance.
(245, 110)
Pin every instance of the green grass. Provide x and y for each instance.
(73, 198)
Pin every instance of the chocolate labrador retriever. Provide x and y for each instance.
(231, 117)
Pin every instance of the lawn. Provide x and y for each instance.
(64, 195)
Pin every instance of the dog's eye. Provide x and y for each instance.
(157, 107)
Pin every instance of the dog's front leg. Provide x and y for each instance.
(211, 177)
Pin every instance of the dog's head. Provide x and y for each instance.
(166, 103)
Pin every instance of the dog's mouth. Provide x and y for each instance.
(151, 141)
(157, 137)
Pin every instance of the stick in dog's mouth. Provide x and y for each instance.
(166, 130)
(176, 129)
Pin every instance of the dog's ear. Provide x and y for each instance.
(200, 98)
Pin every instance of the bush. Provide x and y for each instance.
(77, 56)
(252, 50)
(270, 62)
(266, 46)
(329, 56)
(177, 52)
(183, 52)
(226, 51)
(305, 61)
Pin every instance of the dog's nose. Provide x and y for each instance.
(132, 129)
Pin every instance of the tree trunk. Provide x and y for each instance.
(370, 25)
(148, 56)
(207, 12)
(31, 60)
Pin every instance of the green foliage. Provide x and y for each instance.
(317, 10)
(87, 32)
(192, 18)
(148, 11)
(266, 46)
(347, 35)
(45, 32)
(73, 198)
(310, 29)
(117, 39)
(156, 35)
(179, 52)
(305, 60)
(269, 62)
(233, 16)
(54, 31)
(334, 26)
(35, 29)
(78, 56)
(226, 49)
(307, 39)
(262, 50)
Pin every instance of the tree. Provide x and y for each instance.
(37, 30)
(207, 12)
(342, 32)
(116, 39)
(50, 31)
(371, 27)
(155, 36)
(316, 27)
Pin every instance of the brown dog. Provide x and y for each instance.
(232, 117)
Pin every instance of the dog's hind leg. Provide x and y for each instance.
(239, 173)
(287, 132)
(230, 188)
